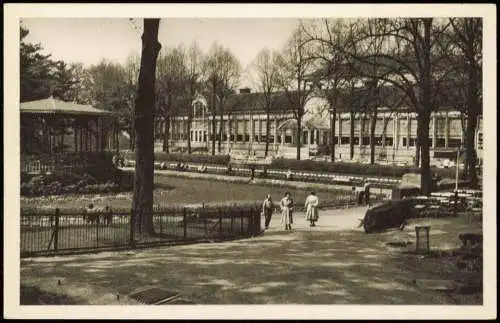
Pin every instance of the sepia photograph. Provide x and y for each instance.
(201, 159)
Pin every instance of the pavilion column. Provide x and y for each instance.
(275, 132)
(86, 135)
(339, 140)
(252, 130)
(408, 130)
(102, 141)
(75, 137)
(228, 134)
(434, 120)
(361, 126)
(49, 128)
(116, 136)
(447, 129)
(395, 132)
(384, 131)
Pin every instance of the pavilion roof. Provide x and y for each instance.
(55, 106)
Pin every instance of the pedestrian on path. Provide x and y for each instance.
(366, 191)
(286, 211)
(311, 206)
(267, 209)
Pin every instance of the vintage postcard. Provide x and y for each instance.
(250, 161)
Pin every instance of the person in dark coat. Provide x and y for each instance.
(267, 209)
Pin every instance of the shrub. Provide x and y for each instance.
(341, 168)
(391, 214)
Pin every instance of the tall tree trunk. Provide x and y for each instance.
(470, 150)
(426, 108)
(426, 181)
(142, 203)
(132, 135)
(166, 117)
(189, 121)
(332, 131)
(267, 129)
(213, 121)
(221, 127)
(373, 124)
(473, 109)
(418, 146)
(351, 136)
(299, 135)
(166, 135)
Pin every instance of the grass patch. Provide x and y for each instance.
(178, 191)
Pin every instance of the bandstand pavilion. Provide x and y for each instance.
(52, 126)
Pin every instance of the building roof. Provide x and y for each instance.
(55, 106)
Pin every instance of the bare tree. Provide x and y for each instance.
(144, 113)
(265, 64)
(230, 73)
(335, 73)
(132, 66)
(172, 79)
(295, 67)
(222, 70)
(412, 61)
(194, 59)
(466, 37)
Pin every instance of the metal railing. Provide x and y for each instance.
(46, 232)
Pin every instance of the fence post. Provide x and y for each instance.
(184, 215)
(132, 224)
(205, 222)
(160, 218)
(259, 220)
(241, 221)
(455, 205)
(56, 232)
(97, 228)
(250, 223)
(220, 223)
(232, 223)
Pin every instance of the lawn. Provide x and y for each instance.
(176, 191)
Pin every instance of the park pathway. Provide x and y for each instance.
(333, 263)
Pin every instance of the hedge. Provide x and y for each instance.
(185, 158)
(304, 165)
(352, 168)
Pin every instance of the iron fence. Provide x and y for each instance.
(46, 232)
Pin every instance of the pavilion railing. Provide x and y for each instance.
(48, 232)
(42, 163)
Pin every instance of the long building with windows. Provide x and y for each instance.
(245, 120)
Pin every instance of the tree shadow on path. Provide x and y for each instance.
(297, 267)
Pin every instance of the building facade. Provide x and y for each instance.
(245, 120)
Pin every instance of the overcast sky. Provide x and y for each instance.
(89, 40)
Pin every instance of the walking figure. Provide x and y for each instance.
(366, 191)
(286, 211)
(311, 206)
(267, 209)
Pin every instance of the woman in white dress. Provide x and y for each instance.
(286, 209)
(311, 206)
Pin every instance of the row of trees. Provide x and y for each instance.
(358, 64)
(420, 64)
